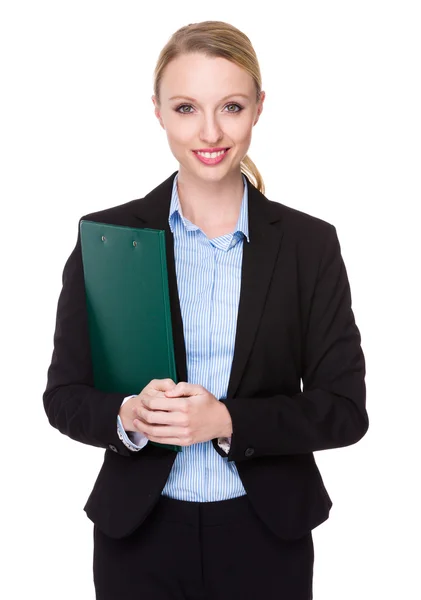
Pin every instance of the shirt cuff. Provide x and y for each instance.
(137, 440)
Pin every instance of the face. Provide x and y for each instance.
(207, 104)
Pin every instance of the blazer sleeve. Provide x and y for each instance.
(330, 412)
(72, 404)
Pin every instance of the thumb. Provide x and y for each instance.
(176, 389)
(163, 385)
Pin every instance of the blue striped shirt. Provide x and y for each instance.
(208, 280)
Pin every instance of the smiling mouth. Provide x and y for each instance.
(211, 153)
(211, 158)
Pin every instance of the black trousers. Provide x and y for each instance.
(202, 551)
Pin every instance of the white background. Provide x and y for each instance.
(339, 138)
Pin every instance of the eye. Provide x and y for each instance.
(182, 106)
(183, 112)
(240, 108)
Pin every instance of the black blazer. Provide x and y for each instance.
(295, 322)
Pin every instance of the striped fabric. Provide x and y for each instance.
(208, 279)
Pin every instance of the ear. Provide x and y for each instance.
(157, 111)
(260, 106)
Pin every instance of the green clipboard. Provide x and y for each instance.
(128, 304)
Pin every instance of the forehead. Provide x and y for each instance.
(201, 76)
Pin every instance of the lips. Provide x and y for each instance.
(210, 149)
(211, 161)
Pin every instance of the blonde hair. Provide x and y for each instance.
(215, 39)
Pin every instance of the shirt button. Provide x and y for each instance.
(249, 451)
(113, 448)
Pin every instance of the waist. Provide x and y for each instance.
(207, 514)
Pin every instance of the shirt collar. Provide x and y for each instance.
(175, 207)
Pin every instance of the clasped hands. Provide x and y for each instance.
(182, 414)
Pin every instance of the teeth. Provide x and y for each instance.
(211, 154)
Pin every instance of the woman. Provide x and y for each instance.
(260, 300)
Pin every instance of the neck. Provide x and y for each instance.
(210, 203)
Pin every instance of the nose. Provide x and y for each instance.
(211, 131)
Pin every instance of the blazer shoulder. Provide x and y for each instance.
(301, 222)
(113, 214)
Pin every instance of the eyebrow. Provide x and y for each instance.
(194, 100)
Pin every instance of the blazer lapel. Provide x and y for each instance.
(259, 258)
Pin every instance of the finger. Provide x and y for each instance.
(162, 385)
(164, 403)
(142, 422)
(161, 417)
(178, 390)
(163, 431)
(184, 389)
